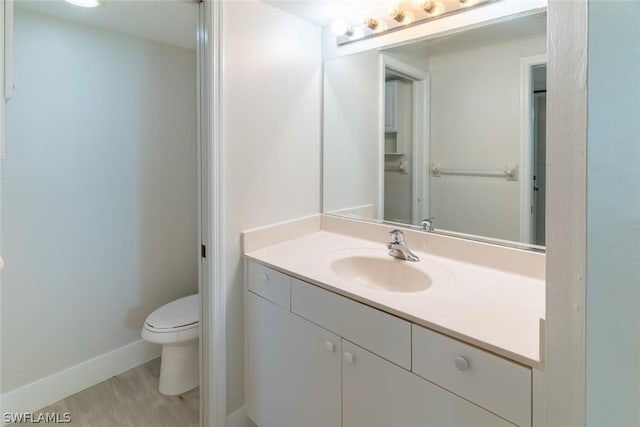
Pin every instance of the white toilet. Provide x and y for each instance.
(176, 327)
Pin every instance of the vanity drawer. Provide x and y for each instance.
(270, 284)
(375, 330)
(499, 385)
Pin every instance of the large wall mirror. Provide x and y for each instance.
(450, 128)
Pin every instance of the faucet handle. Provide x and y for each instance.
(427, 224)
(398, 235)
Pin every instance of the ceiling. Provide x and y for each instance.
(171, 22)
(324, 12)
(174, 21)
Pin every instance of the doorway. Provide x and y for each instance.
(539, 153)
(405, 143)
(533, 149)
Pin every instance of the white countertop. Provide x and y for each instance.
(490, 308)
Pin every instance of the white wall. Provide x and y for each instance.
(272, 79)
(353, 108)
(613, 216)
(475, 124)
(98, 193)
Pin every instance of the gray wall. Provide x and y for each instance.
(613, 215)
(98, 193)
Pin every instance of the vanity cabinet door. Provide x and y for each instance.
(293, 369)
(497, 384)
(378, 393)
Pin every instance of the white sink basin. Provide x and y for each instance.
(383, 273)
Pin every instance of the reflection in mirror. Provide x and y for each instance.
(450, 128)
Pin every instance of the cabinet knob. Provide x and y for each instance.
(349, 358)
(462, 363)
(329, 346)
(264, 277)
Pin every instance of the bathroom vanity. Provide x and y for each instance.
(341, 334)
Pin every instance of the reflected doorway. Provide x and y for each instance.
(533, 149)
(539, 150)
(406, 143)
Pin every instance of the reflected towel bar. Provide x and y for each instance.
(510, 173)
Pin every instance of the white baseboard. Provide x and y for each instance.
(239, 419)
(45, 391)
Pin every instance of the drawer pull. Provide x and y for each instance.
(264, 277)
(329, 346)
(462, 363)
(349, 358)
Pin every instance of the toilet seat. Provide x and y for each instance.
(182, 313)
(172, 337)
(174, 323)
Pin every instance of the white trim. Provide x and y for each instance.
(239, 419)
(566, 224)
(45, 391)
(8, 79)
(537, 397)
(203, 212)
(526, 142)
(403, 68)
(379, 211)
(421, 140)
(2, 91)
(213, 396)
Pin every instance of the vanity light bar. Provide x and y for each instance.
(398, 15)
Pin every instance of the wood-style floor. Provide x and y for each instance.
(130, 399)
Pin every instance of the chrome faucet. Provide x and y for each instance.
(427, 224)
(398, 248)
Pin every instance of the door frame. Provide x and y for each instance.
(211, 271)
(419, 137)
(526, 143)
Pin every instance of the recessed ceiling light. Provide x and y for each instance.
(85, 3)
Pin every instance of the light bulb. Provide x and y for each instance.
(339, 28)
(426, 5)
(401, 16)
(396, 12)
(431, 8)
(374, 25)
(85, 3)
(371, 23)
(409, 17)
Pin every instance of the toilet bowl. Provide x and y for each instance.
(176, 327)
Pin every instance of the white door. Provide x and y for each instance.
(293, 369)
(378, 393)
